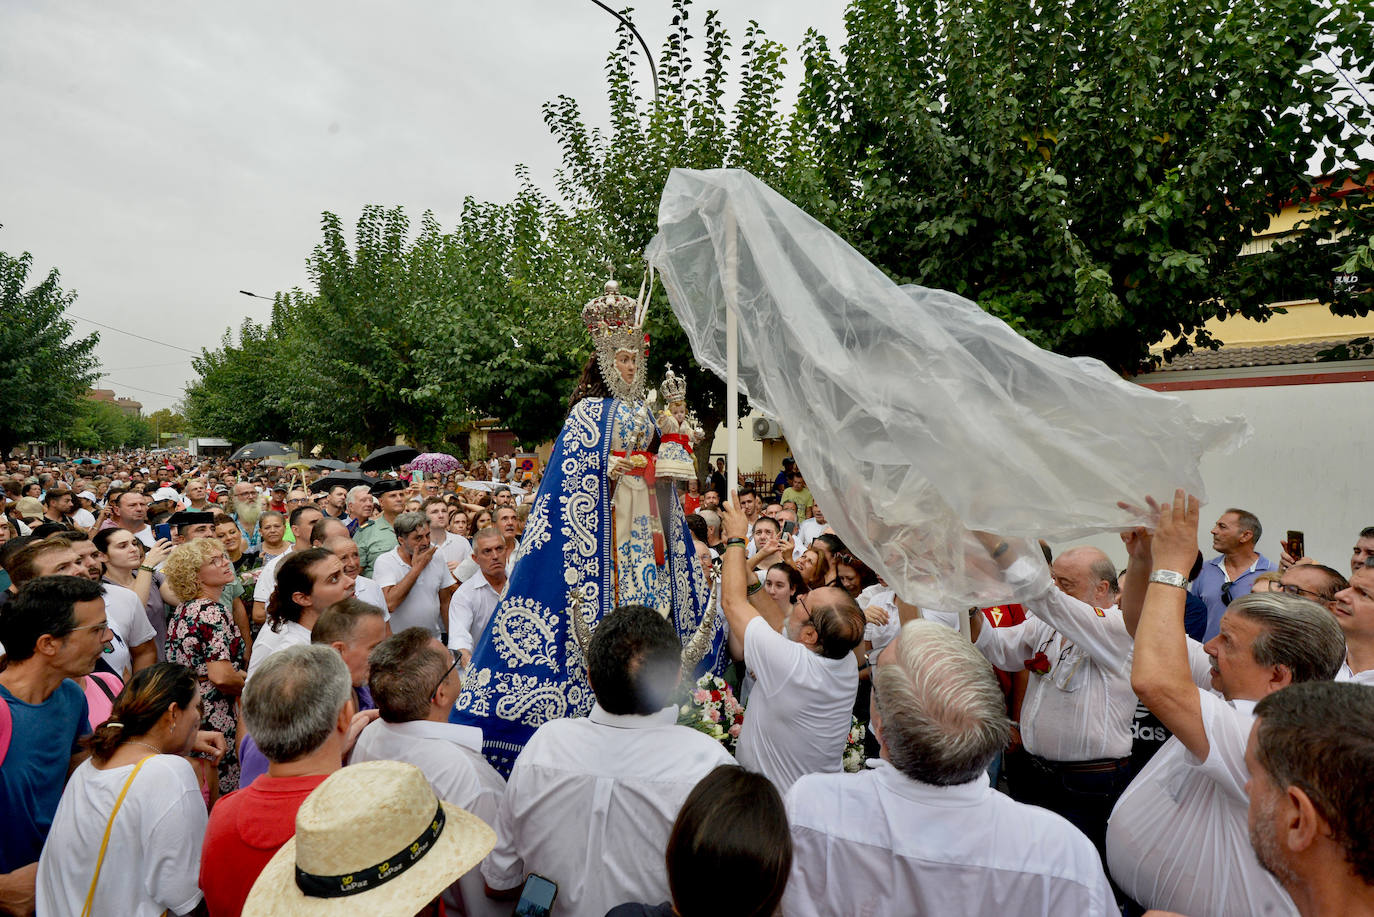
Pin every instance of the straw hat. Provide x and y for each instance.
(372, 836)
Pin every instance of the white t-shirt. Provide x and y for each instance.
(455, 549)
(799, 712)
(1179, 838)
(421, 605)
(128, 618)
(267, 579)
(807, 530)
(880, 635)
(270, 641)
(365, 589)
(152, 863)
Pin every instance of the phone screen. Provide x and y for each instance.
(789, 527)
(162, 530)
(536, 898)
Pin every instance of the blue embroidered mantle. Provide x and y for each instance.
(527, 667)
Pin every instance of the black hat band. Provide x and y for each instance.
(362, 880)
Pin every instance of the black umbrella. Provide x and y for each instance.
(388, 457)
(261, 450)
(329, 464)
(348, 479)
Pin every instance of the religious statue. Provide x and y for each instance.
(602, 532)
(680, 431)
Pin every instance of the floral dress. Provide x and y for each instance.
(201, 632)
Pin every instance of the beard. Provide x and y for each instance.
(1264, 839)
(248, 513)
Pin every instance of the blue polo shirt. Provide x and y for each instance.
(35, 769)
(1208, 585)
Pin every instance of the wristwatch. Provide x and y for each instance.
(1169, 578)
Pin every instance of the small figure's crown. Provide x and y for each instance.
(673, 388)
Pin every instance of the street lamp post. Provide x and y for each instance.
(648, 55)
(257, 296)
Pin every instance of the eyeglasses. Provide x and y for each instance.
(1226, 593)
(1291, 589)
(98, 628)
(435, 692)
(221, 559)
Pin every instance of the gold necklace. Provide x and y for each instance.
(146, 745)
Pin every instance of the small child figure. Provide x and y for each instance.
(679, 431)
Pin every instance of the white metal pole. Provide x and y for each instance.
(730, 283)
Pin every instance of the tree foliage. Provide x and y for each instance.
(100, 425)
(1092, 172)
(46, 367)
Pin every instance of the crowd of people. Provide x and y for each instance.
(229, 690)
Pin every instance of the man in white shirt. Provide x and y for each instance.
(1178, 837)
(800, 707)
(924, 832)
(1311, 767)
(809, 528)
(454, 549)
(508, 524)
(414, 683)
(475, 600)
(364, 588)
(1076, 717)
(591, 800)
(129, 511)
(1354, 610)
(134, 646)
(413, 577)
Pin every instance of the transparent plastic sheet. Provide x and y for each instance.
(916, 416)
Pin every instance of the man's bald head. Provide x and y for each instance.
(837, 619)
(1087, 574)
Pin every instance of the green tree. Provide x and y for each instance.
(241, 390)
(1092, 172)
(47, 369)
(165, 420)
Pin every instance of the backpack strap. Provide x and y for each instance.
(102, 681)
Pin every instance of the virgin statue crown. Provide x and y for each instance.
(616, 323)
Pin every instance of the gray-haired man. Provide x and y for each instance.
(1178, 839)
(940, 720)
(414, 577)
(298, 708)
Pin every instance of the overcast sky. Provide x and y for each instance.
(166, 155)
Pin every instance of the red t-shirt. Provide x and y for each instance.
(246, 828)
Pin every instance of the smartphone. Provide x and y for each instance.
(789, 527)
(1294, 545)
(536, 897)
(162, 530)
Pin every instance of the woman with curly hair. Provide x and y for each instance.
(202, 636)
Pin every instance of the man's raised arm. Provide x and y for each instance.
(1160, 674)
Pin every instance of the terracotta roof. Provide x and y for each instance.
(1265, 355)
